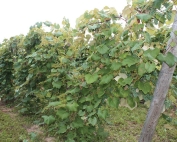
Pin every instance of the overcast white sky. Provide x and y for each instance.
(18, 15)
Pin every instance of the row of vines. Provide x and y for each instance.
(67, 75)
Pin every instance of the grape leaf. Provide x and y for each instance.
(130, 60)
(151, 54)
(57, 84)
(92, 121)
(144, 86)
(126, 81)
(102, 49)
(131, 102)
(113, 102)
(144, 17)
(102, 114)
(72, 106)
(48, 119)
(106, 79)
(169, 59)
(115, 65)
(141, 69)
(150, 67)
(91, 78)
(63, 114)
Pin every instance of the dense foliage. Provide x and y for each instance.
(67, 74)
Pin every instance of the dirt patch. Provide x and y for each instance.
(7, 110)
(35, 129)
(50, 139)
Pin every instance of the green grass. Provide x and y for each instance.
(14, 128)
(126, 125)
(11, 128)
(123, 125)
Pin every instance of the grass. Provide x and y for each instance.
(17, 128)
(12, 128)
(123, 125)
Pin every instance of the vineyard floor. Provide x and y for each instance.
(18, 128)
(123, 125)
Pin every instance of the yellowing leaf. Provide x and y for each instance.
(126, 11)
(168, 126)
(175, 2)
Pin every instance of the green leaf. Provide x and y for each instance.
(33, 136)
(39, 24)
(81, 113)
(157, 3)
(131, 102)
(144, 17)
(97, 103)
(102, 114)
(169, 59)
(58, 34)
(89, 108)
(91, 78)
(49, 38)
(32, 55)
(63, 114)
(161, 57)
(106, 61)
(72, 91)
(100, 93)
(57, 26)
(48, 119)
(126, 81)
(124, 93)
(150, 67)
(47, 23)
(102, 49)
(113, 51)
(96, 57)
(160, 17)
(87, 15)
(106, 79)
(78, 122)
(144, 86)
(136, 46)
(62, 129)
(93, 27)
(141, 69)
(92, 121)
(57, 84)
(113, 102)
(69, 53)
(124, 55)
(151, 54)
(130, 60)
(147, 37)
(72, 106)
(115, 66)
(53, 104)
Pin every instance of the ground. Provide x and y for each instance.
(17, 128)
(123, 125)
